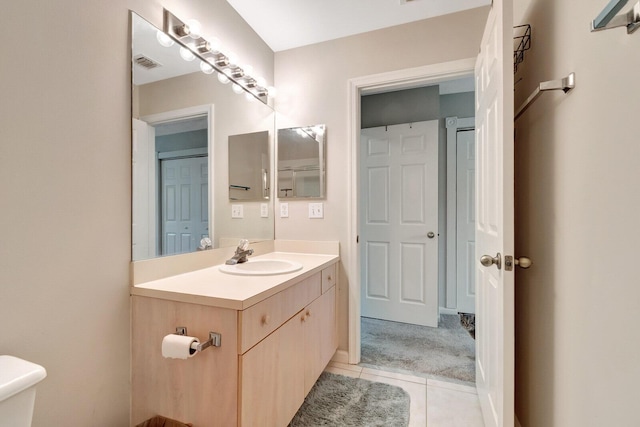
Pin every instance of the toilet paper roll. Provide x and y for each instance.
(179, 346)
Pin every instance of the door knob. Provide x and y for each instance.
(523, 262)
(488, 260)
(431, 235)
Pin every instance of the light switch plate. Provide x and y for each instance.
(316, 210)
(237, 211)
(264, 210)
(284, 210)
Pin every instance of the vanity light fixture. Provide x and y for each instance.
(209, 52)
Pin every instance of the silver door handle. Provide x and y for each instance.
(431, 235)
(488, 260)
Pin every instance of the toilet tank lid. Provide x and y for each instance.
(17, 375)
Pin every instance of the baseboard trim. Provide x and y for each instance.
(444, 310)
(517, 421)
(341, 356)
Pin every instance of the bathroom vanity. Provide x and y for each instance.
(278, 333)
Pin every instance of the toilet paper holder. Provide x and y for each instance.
(215, 339)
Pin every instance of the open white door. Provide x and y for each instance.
(494, 225)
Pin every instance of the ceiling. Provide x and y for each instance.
(287, 24)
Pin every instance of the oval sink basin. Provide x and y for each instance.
(262, 267)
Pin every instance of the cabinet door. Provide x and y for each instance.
(272, 377)
(320, 336)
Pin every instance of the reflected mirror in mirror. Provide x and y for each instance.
(249, 166)
(301, 162)
(182, 122)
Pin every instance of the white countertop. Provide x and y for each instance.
(212, 287)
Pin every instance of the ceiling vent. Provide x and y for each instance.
(146, 62)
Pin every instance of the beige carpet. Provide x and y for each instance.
(446, 352)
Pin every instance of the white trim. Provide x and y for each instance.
(395, 80)
(445, 310)
(453, 124)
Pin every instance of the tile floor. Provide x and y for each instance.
(433, 403)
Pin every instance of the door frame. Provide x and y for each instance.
(453, 125)
(176, 115)
(383, 82)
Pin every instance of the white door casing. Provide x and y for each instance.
(465, 221)
(143, 227)
(494, 218)
(399, 200)
(394, 80)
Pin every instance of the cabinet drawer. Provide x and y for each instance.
(258, 321)
(328, 278)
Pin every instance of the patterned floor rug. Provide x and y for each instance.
(336, 400)
(446, 352)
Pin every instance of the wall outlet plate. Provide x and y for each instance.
(264, 210)
(316, 210)
(284, 210)
(237, 211)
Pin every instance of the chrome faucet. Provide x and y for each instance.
(242, 251)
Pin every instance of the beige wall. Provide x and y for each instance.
(577, 202)
(65, 191)
(312, 88)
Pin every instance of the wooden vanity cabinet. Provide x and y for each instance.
(271, 355)
(276, 374)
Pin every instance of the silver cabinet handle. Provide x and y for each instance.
(431, 235)
(488, 260)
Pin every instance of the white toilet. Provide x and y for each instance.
(18, 379)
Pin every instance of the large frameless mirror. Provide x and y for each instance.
(183, 120)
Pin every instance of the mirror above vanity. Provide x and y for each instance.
(301, 162)
(186, 148)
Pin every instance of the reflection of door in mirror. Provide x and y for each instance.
(171, 166)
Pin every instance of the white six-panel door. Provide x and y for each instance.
(399, 199)
(494, 221)
(184, 184)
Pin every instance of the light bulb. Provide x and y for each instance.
(237, 88)
(206, 68)
(195, 28)
(222, 78)
(272, 91)
(216, 44)
(248, 69)
(261, 81)
(233, 58)
(186, 54)
(164, 39)
(249, 96)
